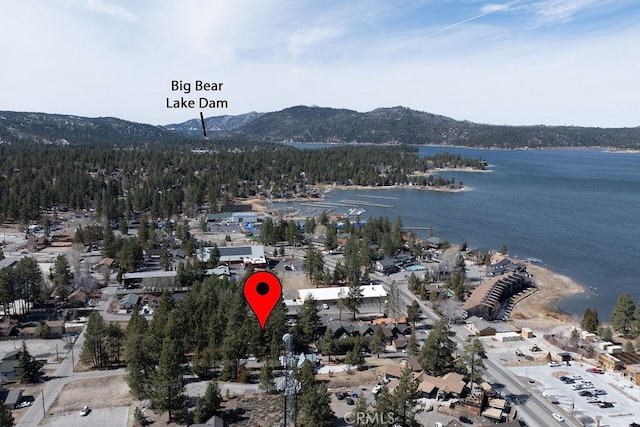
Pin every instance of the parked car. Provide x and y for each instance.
(605, 405)
(585, 393)
(465, 420)
(349, 401)
(340, 395)
(554, 364)
(325, 306)
(85, 411)
(595, 370)
(24, 404)
(559, 418)
(599, 392)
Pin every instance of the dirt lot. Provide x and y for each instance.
(113, 392)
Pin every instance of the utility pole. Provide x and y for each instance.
(44, 412)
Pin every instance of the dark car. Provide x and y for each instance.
(605, 405)
(349, 401)
(465, 420)
(341, 395)
(585, 393)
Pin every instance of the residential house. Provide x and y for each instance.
(56, 328)
(399, 343)
(342, 238)
(9, 365)
(150, 301)
(386, 266)
(413, 362)
(128, 301)
(449, 384)
(479, 327)
(393, 372)
(433, 242)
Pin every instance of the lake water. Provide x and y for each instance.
(577, 210)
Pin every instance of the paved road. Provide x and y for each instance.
(63, 375)
(533, 409)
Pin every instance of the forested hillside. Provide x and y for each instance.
(402, 125)
(168, 181)
(58, 129)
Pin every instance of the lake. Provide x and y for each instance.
(575, 209)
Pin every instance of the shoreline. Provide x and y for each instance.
(605, 149)
(541, 310)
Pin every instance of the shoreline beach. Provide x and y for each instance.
(540, 310)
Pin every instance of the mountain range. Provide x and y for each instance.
(312, 124)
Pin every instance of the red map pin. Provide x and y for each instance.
(262, 291)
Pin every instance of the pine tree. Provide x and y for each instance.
(140, 364)
(384, 405)
(628, 347)
(436, 355)
(328, 343)
(93, 350)
(353, 300)
(354, 358)
(6, 418)
(29, 370)
(394, 301)
(167, 393)
(315, 407)
(377, 342)
(635, 326)
(470, 361)
(589, 320)
(362, 412)
(405, 397)
(212, 399)
(413, 313)
(412, 344)
(309, 321)
(623, 314)
(267, 383)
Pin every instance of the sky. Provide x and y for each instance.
(516, 62)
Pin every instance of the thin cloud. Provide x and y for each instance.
(484, 11)
(560, 11)
(303, 40)
(109, 9)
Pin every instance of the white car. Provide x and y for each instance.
(85, 411)
(554, 364)
(376, 389)
(24, 404)
(559, 418)
(325, 306)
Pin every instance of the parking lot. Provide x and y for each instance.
(625, 398)
(102, 417)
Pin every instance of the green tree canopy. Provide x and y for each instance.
(29, 370)
(436, 355)
(623, 314)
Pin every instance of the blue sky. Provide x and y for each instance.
(571, 62)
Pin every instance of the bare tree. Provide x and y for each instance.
(105, 271)
(452, 310)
